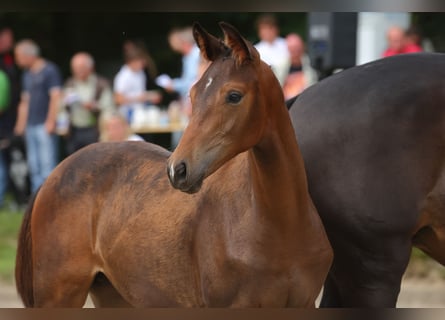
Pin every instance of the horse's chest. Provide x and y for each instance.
(237, 269)
(240, 285)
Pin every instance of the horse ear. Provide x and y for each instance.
(242, 49)
(210, 46)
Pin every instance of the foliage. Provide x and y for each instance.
(431, 24)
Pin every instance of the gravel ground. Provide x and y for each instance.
(414, 294)
(422, 294)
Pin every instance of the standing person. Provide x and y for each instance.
(401, 41)
(130, 85)
(8, 145)
(4, 104)
(37, 112)
(7, 65)
(273, 48)
(413, 40)
(150, 68)
(85, 96)
(4, 91)
(301, 75)
(395, 41)
(182, 41)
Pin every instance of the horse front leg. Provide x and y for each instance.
(367, 278)
(331, 296)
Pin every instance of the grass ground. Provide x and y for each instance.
(9, 225)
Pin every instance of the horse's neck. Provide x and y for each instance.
(278, 176)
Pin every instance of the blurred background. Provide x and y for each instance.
(333, 41)
(60, 35)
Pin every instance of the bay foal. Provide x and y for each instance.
(108, 222)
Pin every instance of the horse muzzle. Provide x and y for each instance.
(181, 179)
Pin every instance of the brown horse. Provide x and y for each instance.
(108, 222)
(373, 141)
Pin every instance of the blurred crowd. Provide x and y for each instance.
(39, 109)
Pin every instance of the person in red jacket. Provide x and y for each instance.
(401, 41)
(413, 40)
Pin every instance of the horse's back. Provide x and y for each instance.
(91, 166)
(95, 175)
(373, 140)
(93, 178)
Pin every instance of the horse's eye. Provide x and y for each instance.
(234, 97)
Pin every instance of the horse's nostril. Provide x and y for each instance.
(180, 171)
(177, 174)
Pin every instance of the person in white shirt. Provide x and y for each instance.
(301, 74)
(273, 48)
(130, 85)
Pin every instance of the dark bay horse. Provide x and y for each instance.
(373, 141)
(241, 231)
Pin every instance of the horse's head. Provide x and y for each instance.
(229, 108)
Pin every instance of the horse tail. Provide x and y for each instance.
(24, 262)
